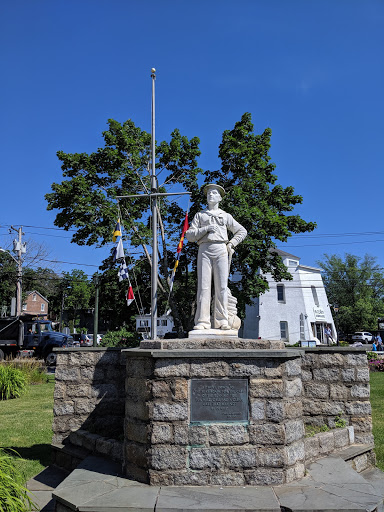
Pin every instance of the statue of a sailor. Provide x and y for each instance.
(209, 229)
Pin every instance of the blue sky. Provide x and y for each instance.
(312, 71)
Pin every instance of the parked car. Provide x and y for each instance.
(82, 339)
(99, 337)
(363, 337)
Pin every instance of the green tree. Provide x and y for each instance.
(86, 200)
(113, 308)
(259, 203)
(357, 286)
(79, 293)
(8, 279)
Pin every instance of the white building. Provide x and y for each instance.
(165, 324)
(292, 311)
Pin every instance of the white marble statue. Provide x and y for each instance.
(209, 229)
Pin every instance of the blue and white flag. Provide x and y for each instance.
(118, 251)
(123, 272)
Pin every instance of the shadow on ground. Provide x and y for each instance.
(40, 452)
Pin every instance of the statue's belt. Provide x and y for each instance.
(214, 242)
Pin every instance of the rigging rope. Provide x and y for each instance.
(139, 307)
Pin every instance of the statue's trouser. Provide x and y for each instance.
(212, 261)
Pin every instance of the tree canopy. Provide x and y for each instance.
(86, 201)
(356, 285)
(8, 279)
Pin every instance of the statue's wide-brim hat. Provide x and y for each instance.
(210, 185)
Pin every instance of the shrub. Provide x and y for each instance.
(34, 371)
(120, 339)
(13, 495)
(376, 365)
(13, 382)
(372, 356)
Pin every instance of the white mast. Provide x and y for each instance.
(153, 195)
(154, 219)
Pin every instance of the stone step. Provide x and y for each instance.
(359, 456)
(68, 456)
(330, 485)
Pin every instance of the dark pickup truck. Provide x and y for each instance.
(27, 333)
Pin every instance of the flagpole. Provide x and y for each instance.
(153, 195)
(154, 219)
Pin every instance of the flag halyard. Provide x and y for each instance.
(179, 249)
(119, 256)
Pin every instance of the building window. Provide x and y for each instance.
(315, 297)
(163, 323)
(284, 330)
(143, 323)
(43, 307)
(34, 297)
(24, 307)
(292, 263)
(302, 335)
(280, 293)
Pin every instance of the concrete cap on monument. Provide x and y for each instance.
(213, 185)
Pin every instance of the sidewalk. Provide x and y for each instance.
(95, 486)
(42, 485)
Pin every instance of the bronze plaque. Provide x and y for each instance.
(219, 400)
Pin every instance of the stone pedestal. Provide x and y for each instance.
(213, 333)
(223, 411)
(164, 445)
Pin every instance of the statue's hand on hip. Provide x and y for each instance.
(230, 249)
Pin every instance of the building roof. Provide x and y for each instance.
(282, 253)
(35, 291)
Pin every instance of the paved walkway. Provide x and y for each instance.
(95, 486)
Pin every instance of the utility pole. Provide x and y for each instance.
(96, 310)
(64, 296)
(19, 249)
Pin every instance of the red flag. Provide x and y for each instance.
(130, 295)
(185, 228)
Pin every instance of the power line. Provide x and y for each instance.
(339, 243)
(295, 235)
(71, 263)
(39, 227)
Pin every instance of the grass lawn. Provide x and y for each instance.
(377, 401)
(26, 426)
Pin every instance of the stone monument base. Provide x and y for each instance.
(212, 342)
(211, 411)
(213, 333)
(214, 411)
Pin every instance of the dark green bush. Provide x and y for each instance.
(13, 382)
(13, 494)
(120, 339)
(372, 356)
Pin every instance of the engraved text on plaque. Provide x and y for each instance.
(219, 400)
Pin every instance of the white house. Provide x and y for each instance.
(292, 311)
(165, 324)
